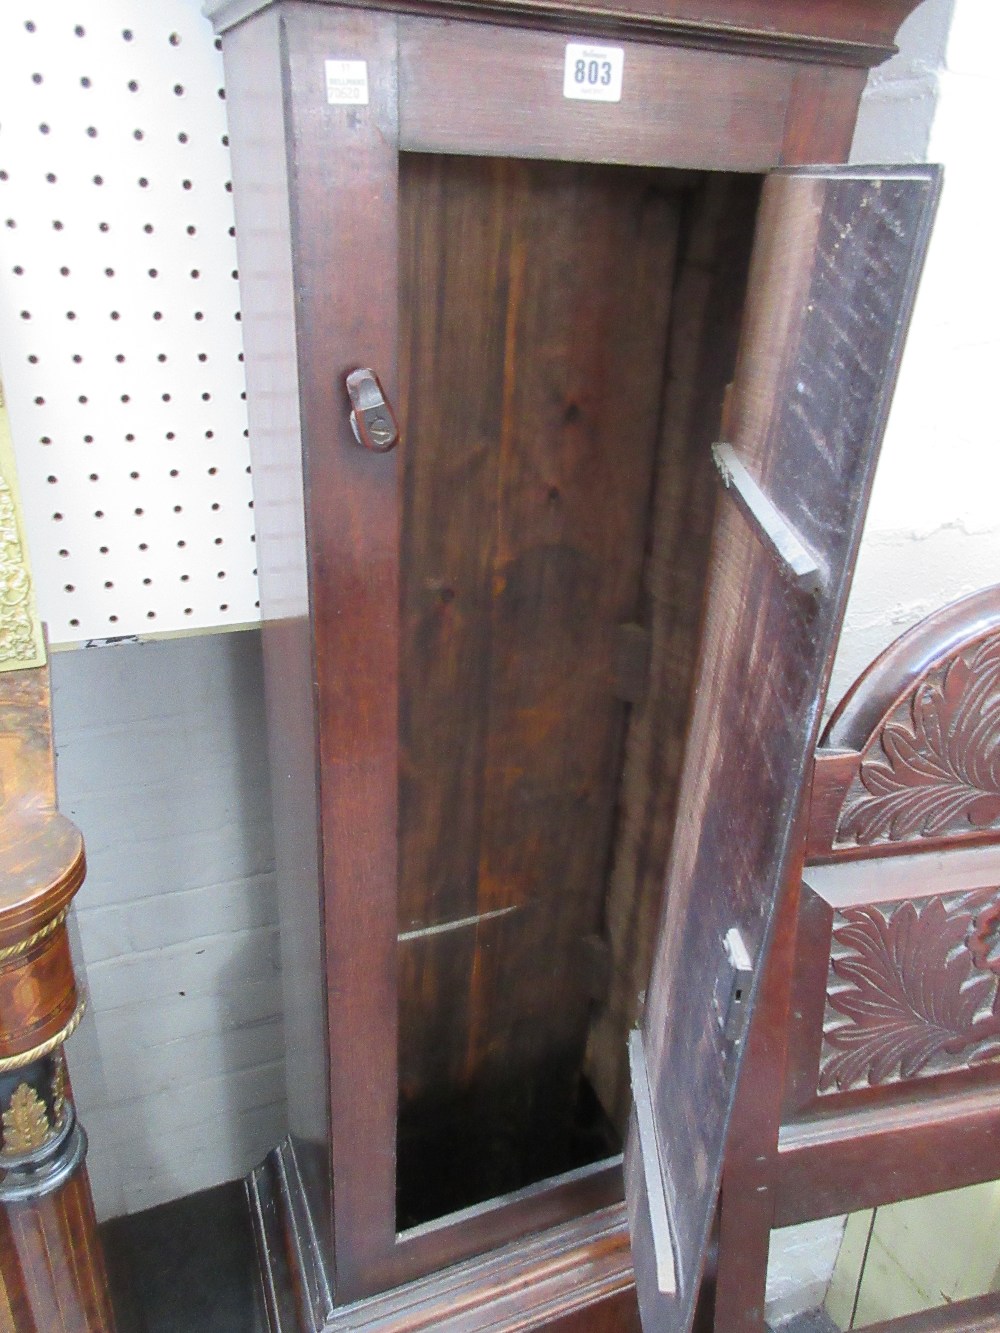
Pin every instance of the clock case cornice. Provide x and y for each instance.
(855, 33)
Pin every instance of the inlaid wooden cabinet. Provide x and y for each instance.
(567, 375)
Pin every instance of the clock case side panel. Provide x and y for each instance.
(255, 97)
(343, 183)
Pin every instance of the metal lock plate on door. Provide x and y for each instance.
(732, 987)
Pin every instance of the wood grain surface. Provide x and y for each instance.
(52, 1273)
(708, 301)
(342, 164)
(863, 1156)
(679, 108)
(536, 300)
(576, 1276)
(37, 993)
(42, 866)
(832, 282)
(41, 853)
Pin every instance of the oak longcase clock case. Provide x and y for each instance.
(565, 403)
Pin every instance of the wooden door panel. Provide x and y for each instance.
(836, 262)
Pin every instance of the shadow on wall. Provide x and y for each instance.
(162, 762)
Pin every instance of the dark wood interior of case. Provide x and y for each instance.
(567, 334)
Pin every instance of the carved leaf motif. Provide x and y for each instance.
(26, 1122)
(984, 941)
(943, 769)
(911, 994)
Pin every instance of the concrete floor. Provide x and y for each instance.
(816, 1321)
(185, 1267)
(189, 1267)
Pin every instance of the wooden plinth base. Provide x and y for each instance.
(576, 1278)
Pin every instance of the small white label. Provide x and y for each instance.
(347, 82)
(593, 73)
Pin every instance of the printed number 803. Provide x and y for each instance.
(592, 72)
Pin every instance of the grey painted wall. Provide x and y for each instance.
(177, 1068)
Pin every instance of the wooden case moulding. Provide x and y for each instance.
(485, 635)
(850, 32)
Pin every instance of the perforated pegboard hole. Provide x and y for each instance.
(115, 185)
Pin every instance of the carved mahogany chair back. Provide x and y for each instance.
(879, 1024)
(909, 766)
(910, 759)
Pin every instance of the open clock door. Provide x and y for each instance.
(837, 257)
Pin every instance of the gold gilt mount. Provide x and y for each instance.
(26, 1126)
(22, 644)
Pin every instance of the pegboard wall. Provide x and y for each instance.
(120, 341)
